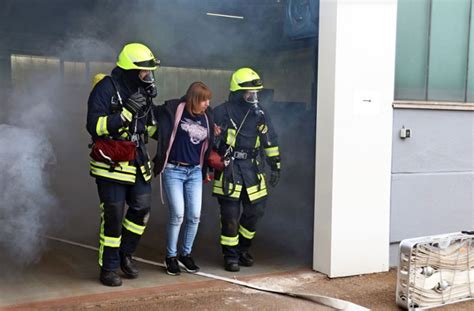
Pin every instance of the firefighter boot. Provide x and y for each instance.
(110, 278)
(128, 266)
(231, 265)
(245, 259)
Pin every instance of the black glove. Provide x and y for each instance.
(274, 178)
(136, 104)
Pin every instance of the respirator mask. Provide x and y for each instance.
(251, 97)
(148, 80)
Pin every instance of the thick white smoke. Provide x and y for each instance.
(26, 161)
(24, 196)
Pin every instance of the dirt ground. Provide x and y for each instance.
(375, 291)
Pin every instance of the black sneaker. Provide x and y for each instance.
(187, 262)
(245, 259)
(172, 266)
(110, 278)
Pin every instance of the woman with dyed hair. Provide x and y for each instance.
(185, 135)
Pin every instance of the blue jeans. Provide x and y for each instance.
(183, 186)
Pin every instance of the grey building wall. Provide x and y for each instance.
(432, 174)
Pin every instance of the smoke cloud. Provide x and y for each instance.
(24, 195)
(26, 158)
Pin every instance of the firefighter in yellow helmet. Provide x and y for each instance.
(247, 141)
(120, 120)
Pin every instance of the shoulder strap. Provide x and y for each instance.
(114, 83)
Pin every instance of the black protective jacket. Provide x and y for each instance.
(245, 149)
(104, 121)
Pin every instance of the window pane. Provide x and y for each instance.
(412, 49)
(448, 50)
(470, 79)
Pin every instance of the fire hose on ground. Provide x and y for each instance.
(335, 303)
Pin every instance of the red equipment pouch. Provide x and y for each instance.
(112, 151)
(215, 161)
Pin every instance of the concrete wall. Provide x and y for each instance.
(432, 174)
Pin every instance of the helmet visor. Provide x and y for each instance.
(253, 83)
(151, 63)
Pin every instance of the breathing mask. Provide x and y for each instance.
(148, 81)
(251, 97)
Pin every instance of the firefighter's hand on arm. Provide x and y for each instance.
(134, 105)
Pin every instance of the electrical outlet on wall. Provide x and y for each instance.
(405, 132)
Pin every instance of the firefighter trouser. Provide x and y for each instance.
(238, 228)
(116, 232)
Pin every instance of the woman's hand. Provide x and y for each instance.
(217, 130)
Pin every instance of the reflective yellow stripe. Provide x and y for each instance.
(229, 240)
(258, 195)
(246, 233)
(124, 132)
(272, 151)
(101, 246)
(123, 167)
(101, 126)
(124, 172)
(263, 128)
(110, 241)
(263, 185)
(127, 115)
(217, 188)
(151, 129)
(146, 176)
(230, 139)
(254, 193)
(257, 142)
(113, 175)
(130, 226)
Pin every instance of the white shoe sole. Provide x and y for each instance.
(186, 269)
(168, 272)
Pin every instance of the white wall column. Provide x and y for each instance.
(353, 145)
